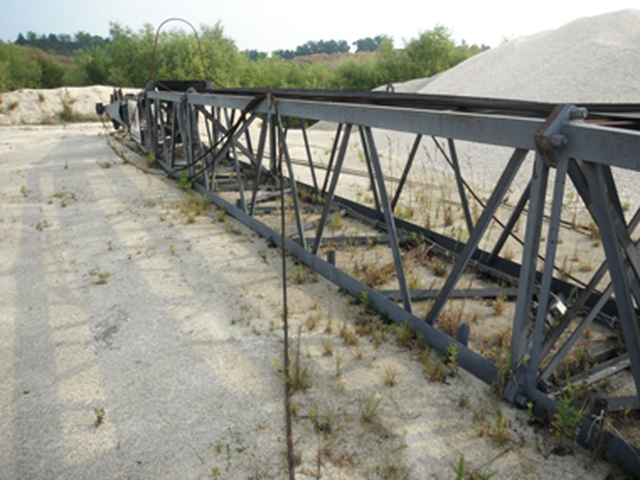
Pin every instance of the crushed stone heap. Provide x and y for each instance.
(592, 59)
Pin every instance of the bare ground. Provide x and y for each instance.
(137, 343)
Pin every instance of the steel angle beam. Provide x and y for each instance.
(456, 293)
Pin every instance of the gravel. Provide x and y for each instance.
(592, 59)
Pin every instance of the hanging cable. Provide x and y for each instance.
(155, 47)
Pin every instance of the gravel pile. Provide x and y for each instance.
(49, 106)
(593, 59)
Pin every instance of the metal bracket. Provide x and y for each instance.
(549, 138)
(513, 390)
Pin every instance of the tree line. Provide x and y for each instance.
(125, 59)
(62, 44)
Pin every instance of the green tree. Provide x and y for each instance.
(225, 64)
(21, 70)
(392, 63)
(431, 53)
(363, 74)
(52, 72)
(370, 44)
(91, 67)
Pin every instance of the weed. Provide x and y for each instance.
(100, 414)
(463, 400)
(103, 164)
(427, 221)
(262, 252)
(41, 225)
(367, 301)
(498, 304)
(448, 216)
(215, 472)
(625, 206)
(379, 335)
(451, 355)
(440, 269)
(221, 215)
(329, 327)
(565, 423)
(338, 365)
(24, 191)
(533, 418)
(301, 275)
(231, 227)
(370, 407)
(435, 370)
(565, 270)
(577, 361)
(312, 320)
(184, 182)
(194, 206)
(365, 324)
(480, 423)
(391, 469)
(390, 376)
(415, 283)
(41, 97)
(500, 430)
(450, 319)
(585, 267)
(404, 335)
(461, 470)
(359, 353)
(66, 165)
(405, 212)
(336, 221)
(501, 356)
(172, 249)
(98, 277)
(150, 160)
(327, 348)
(462, 473)
(298, 378)
(13, 105)
(371, 275)
(348, 336)
(68, 114)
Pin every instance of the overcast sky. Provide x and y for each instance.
(268, 25)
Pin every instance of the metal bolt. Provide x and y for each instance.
(559, 140)
(578, 113)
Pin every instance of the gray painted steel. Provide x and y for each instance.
(564, 140)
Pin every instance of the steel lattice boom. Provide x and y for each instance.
(235, 144)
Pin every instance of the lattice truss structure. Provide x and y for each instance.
(499, 274)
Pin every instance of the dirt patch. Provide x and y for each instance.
(140, 341)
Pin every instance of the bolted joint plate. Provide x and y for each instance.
(549, 138)
(514, 391)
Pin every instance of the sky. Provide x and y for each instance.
(268, 25)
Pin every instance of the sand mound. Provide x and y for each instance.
(29, 106)
(594, 59)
